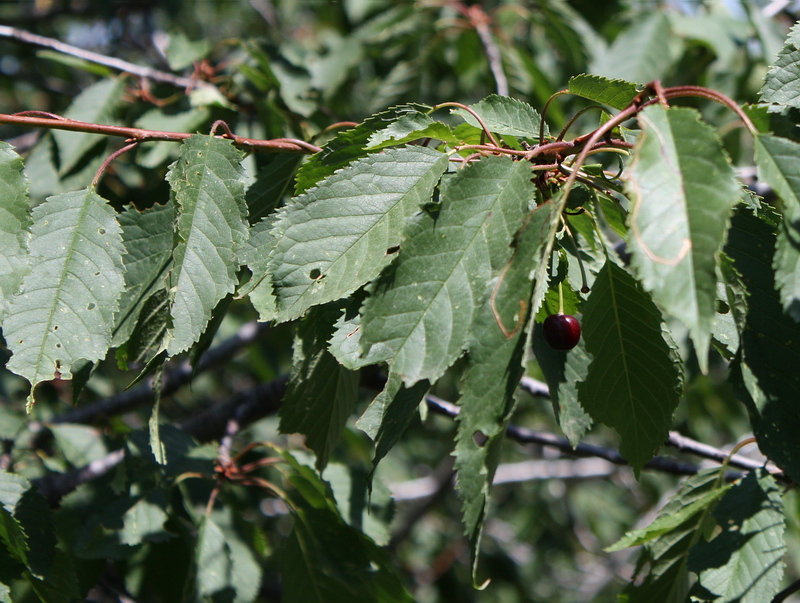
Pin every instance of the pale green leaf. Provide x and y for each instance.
(340, 235)
(633, 384)
(504, 115)
(65, 309)
(643, 52)
(494, 368)
(615, 93)
(212, 556)
(424, 304)
(95, 104)
(80, 444)
(409, 128)
(207, 183)
(14, 223)
(744, 563)
(345, 344)
(256, 255)
(777, 162)
(782, 83)
(683, 190)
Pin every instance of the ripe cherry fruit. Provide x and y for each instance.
(561, 331)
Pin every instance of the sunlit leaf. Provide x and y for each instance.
(14, 223)
(615, 93)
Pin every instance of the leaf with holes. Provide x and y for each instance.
(14, 223)
(423, 306)
(341, 234)
(64, 311)
(207, 184)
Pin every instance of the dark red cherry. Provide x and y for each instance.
(561, 331)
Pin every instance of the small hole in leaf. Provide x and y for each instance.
(101, 231)
(58, 345)
(722, 307)
(97, 274)
(91, 306)
(392, 250)
(55, 327)
(315, 274)
(479, 438)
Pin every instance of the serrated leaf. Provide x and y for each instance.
(389, 414)
(348, 146)
(504, 115)
(207, 184)
(340, 235)
(744, 563)
(782, 83)
(345, 343)
(633, 384)
(95, 104)
(212, 557)
(615, 93)
(321, 393)
(770, 344)
(14, 223)
(410, 128)
(424, 304)
(666, 557)
(147, 237)
(641, 53)
(776, 159)
(313, 568)
(683, 190)
(494, 368)
(65, 309)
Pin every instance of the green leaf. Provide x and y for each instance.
(256, 256)
(80, 444)
(776, 160)
(321, 393)
(212, 557)
(770, 344)
(273, 182)
(504, 115)
(345, 344)
(340, 235)
(96, 104)
(14, 223)
(409, 128)
(666, 556)
(782, 83)
(634, 379)
(156, 154)
(389, 414)
(207, 183)
(641, 53)
(744, 563)
(65, 309)
(615, 93)
(424, 304)
(683, 190)
(313, 566)
(494, 368)
(147, 237)
(348, 146)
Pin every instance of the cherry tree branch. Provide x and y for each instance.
(38, 120)
(117, 64)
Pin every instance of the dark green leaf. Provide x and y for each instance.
(634, 380)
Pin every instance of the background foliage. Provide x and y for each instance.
(193, 485)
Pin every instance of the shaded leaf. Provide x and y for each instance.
(744, 563)
(207, 184)
(683, 190)
(65, 309)
(634, 380)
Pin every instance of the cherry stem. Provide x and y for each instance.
(560, 298)
(584, 282)
(472, 112)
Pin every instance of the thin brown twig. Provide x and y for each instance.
(140, 135)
